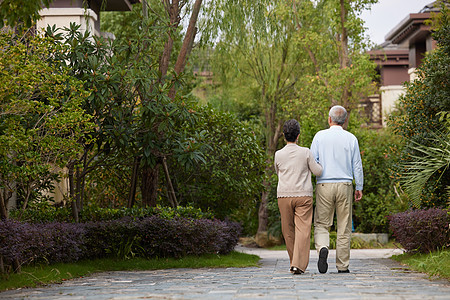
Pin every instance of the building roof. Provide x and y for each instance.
(118, 5)
(412, 27)
(389, 57)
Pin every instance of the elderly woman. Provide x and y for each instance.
(294, 165)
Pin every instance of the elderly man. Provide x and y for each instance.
(337, 150)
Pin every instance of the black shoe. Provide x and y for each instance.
(344, 271)
(296, 270)
(322, 264)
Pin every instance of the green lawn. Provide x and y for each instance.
(32, 276)
(435, 264)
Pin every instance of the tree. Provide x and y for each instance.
(421, 108)
(41, 116)
(170, 61)
(229, 177)
(296, 57)
(14, 12)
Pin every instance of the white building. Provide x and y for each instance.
(86, 13)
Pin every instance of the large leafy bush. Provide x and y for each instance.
(379, 153)
(41, 116)
(419, 113)
(229, 180)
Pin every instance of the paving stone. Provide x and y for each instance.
(373, 276)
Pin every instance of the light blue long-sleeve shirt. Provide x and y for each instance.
(337, 150)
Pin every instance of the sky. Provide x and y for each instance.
(386, 14)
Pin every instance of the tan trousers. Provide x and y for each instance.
(296, 219)
(331, 197)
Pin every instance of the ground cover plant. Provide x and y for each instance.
(436, 263)
(42, 274)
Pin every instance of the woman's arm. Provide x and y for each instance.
(314, 166)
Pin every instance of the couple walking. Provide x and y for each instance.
(335, 160)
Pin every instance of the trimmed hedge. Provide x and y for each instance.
(44, 212)
(154, 236)
(422, 230)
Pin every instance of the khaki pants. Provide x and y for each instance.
(296, 219)
(331, 197)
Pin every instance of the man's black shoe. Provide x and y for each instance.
(296, 270)
(322, 264)
(344, 271)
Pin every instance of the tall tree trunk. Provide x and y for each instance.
(171, 191)
(133, 185)
(263, 213)
(72, 192)
(173, 9)
(3, 211)
(274, 128)
(343, 55)
(149, 185)
(187, 44)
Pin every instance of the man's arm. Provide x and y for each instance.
(358, 172)
(358, 195)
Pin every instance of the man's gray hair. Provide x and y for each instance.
(338, 114)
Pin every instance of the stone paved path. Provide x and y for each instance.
(372, 276)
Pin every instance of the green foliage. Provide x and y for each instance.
(135, 119)
(13, 12)
(370, 214)
(418, 121)
(380, 151)
(229, 179)
(44, 212)
(42, 118)
(276, 60)
(432, 161)
(435, 264)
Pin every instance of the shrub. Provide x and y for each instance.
(422, 230)
(418, 120)
(370, 214)
(44, 212)
(379, 152)
(180, 237)
(154, 236)
(24, 243)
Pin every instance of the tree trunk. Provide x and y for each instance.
(263, 213)
(149, 185)
(171, 191)
(2, 266)
(187, 44)
(173, 10)
(72, 193)
(3, 211)
(133, 185)
(343, 55)
(273, 128)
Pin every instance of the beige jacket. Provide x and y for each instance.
(294, 165)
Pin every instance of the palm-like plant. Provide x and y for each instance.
(428, 161)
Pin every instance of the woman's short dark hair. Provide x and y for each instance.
(291, 130)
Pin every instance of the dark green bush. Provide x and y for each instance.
(370, 214)
(44, 212)
(379, 153)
